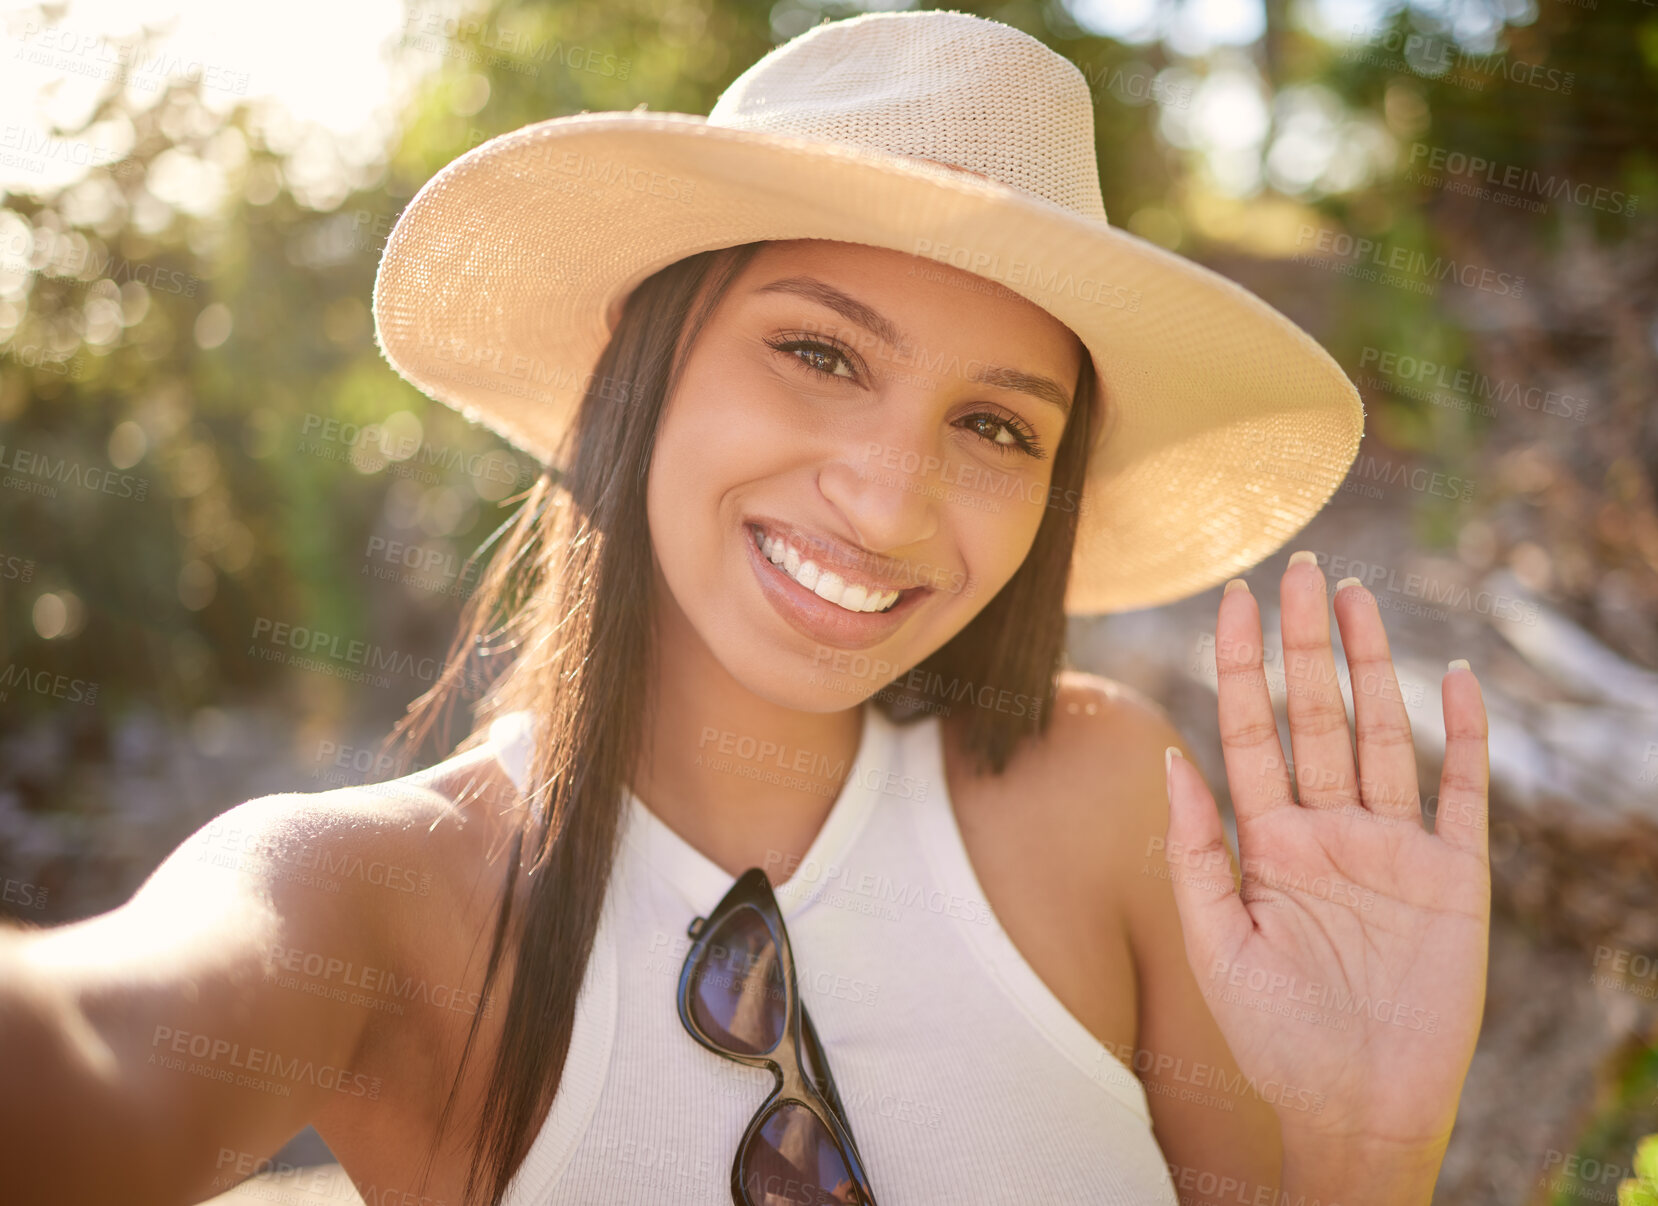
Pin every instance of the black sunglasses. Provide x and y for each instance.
(738, 998)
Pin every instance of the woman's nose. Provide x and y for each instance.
(889, 491)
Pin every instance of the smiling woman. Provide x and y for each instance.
(778, 363)
(785, 776)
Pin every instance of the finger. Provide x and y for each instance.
(1212, 914)
(1387, 756)
(1465, 781)
(1255, 767)
(1319, 740)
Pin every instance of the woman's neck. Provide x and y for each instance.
(745, 781)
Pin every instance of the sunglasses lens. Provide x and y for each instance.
(792, 1161)
(737, 990)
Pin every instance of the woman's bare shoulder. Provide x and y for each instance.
(1086, 796)
(416, 837)
(1103, 760)
(1096, 723)
(402, 881)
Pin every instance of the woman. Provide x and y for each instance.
(855, 394)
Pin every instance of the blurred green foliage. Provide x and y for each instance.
(1642, 1188)
(1612, 1144)
(246, 517)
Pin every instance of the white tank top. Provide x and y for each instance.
(964, 1078)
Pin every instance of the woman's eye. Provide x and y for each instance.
(1004, 434)
(819, 357)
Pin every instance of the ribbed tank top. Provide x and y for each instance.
(965, 1080)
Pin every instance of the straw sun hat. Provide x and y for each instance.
(1229, 427)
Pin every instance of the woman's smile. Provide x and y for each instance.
(819, 594)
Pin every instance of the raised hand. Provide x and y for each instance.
(1348, 971)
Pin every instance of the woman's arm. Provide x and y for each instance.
(140, 1047)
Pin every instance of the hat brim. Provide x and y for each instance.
(1229, 426)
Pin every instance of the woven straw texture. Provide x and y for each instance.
(1229, 426)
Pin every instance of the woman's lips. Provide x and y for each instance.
(817, 618)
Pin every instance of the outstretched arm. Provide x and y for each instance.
(144, 1044)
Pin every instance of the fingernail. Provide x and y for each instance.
(1304, 555)
(1170, 753)
(1235, 584)
(1347, 582)
(1460, 663)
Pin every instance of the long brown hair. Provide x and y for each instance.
(571, 590)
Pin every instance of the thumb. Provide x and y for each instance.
(1212, 914)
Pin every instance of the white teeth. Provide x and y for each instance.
(827, 585)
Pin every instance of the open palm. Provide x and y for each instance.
(1347, 972)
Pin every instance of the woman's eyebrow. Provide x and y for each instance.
(854, 311)
(848, 307)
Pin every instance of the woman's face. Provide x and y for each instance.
(880, 422)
